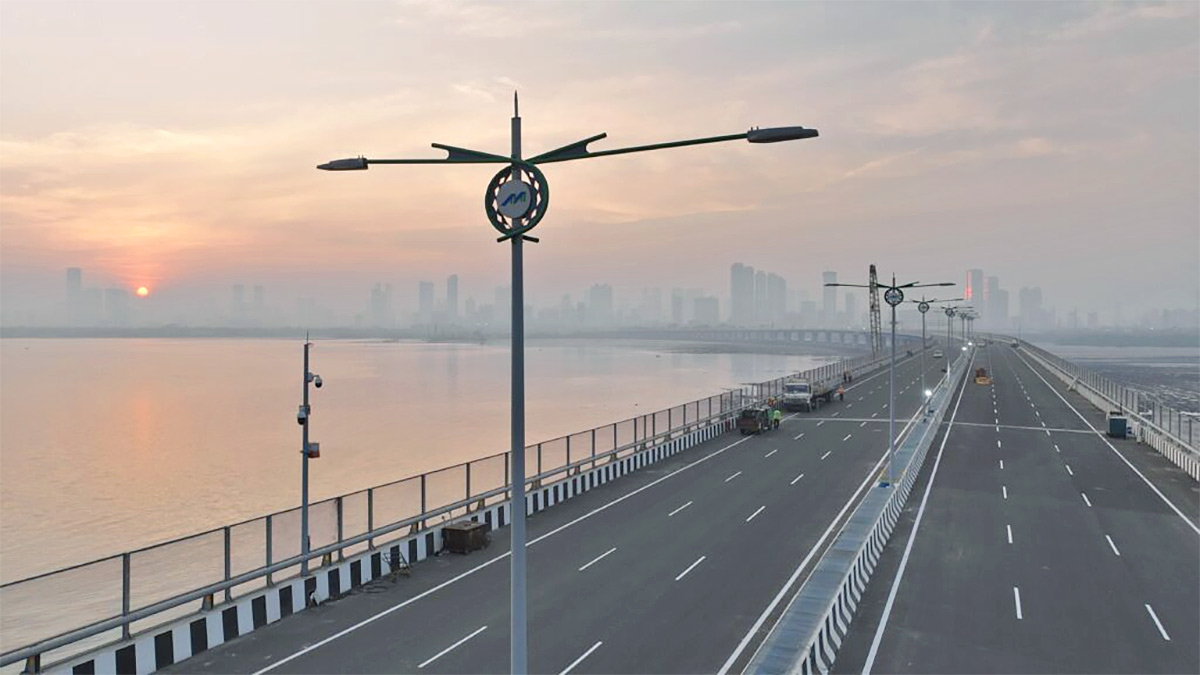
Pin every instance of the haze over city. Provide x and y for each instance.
(172, 146)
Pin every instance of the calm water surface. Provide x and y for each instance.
(108, 445)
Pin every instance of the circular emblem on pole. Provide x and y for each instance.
(893, 296)
(923, 307)
(516, 199)
(949, 311)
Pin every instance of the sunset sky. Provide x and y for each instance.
(172, 144)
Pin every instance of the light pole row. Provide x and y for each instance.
(894, 295)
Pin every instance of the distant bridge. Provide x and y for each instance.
(850, 338)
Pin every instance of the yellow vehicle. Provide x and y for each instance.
(981, 376)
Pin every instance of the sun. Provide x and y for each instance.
(142, 291)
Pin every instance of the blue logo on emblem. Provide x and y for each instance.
(514, 198)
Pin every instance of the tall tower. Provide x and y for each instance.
(876, 334)
(452, 297)
(741, 295)
(829, 306)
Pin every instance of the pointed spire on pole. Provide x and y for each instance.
(516, 107)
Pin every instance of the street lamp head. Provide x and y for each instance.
(778, 134)
(352, 164)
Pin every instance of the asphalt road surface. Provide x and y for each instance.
(1042, 546)
(668, 570)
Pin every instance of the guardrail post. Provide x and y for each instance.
(467, 496)
(228, 561)
(371, 517)
(341, 556)
(269, 574)
(423, 509)
(125, 574)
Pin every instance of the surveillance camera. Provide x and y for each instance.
(317, 381)
(302, 415)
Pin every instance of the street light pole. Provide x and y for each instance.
(923, 307)
(893, 296)
(307, 450)
(518, 653)
(515, 202)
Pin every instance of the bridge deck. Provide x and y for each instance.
(1030, 505)
(667, 569)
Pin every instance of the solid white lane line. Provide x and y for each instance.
(826, 454)
(502, 556)
(912, 536)
(863, 424)
(580, 659)
(760, 510)
(796, 438)
(1162, 631)
(1069, 469)
(1017, 600)
(1132, 468)
(1001, 464)
(690, 568)
(771, 453)
(1004, 489)
(447, 649)
(1009, 528)
(847, 437)
(1085, 499)
(600, 557)
(1112, 545)
(797, 479)
(679, 509)
(733, 476)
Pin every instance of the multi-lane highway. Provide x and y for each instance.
(1040, 546)
(671, 569)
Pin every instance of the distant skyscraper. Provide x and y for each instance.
(381, 306)
(761, 307)
(425, 301)
(452, 296)
(706, 311)
(741, 295)
(1029, 302)
(74, 294)
(973, 293)
(116, 306)
(829, 296)
(259, 298)
(851, 310)
(990, 310)
(677, 306)
(600, 305)
(776, 298)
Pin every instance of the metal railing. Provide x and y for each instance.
(144, 588)
(1167, 430)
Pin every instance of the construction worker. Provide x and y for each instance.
(841, 393)
(776, 418)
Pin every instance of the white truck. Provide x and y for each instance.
(805, 395)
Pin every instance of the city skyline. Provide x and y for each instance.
(1084, 113)
(768, 301)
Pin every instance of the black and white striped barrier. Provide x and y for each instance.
(176, 642)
